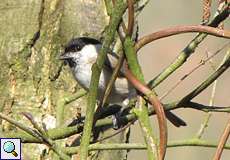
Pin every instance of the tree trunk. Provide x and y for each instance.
(32, 78)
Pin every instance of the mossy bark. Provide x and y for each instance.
(32, 79)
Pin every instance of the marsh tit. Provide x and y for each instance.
(81, 53)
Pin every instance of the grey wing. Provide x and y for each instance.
(111, 62)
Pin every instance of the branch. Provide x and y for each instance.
(115, 19)
(201, 107)
(54, 134)
(208, 81)
(180, 143)
(112, 79)
(202, 62)
(137, 79)
(222, 142)
(206, 11)
(64, 101)
(64, 132)
(188, 50)
(141, 113)
(36, 134)
(23, 127)
(139, 146)
(41, 132)
(121, 56)
(179, 30)
(204, 124)
(130, 17)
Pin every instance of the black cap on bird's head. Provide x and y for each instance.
(75, 45)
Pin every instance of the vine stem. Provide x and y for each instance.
(115, 19)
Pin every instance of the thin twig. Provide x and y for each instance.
(181, 29)
(115, 19)
(118, 65)
(206, 11)
(192, 70)
(222, 142)
(35, 124)
(64, 132)
(141, 111)
(136, 77)
(140, 146)
(62, 102)
(114, 134)
(80, 93)
(122, 21)
(157, 107)
(23, 127)
(130, 17)
(207, 82)
(121, 57)
(180, 143)
(201, 107)
(112, 79)
(188, 50)
(38, 136)
(45, 137)
(140, 6)
(204, 125)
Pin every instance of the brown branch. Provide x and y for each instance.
(21, 126)
(159, 109)
(42, 132)
(130, 17)
(178, 30)
(112, 80)
(206, 11)
(121, 58)
(222, 142)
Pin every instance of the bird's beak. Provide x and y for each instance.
(64, 56)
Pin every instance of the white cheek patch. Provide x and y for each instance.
(89, 53)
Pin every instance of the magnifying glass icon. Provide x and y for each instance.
(9, 147)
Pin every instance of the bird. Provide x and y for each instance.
(81, 53)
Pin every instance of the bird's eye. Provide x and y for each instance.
(73, 48)
(77, 48)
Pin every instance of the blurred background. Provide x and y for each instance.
(154, 57)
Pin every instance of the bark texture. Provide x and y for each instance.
(32, 79)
